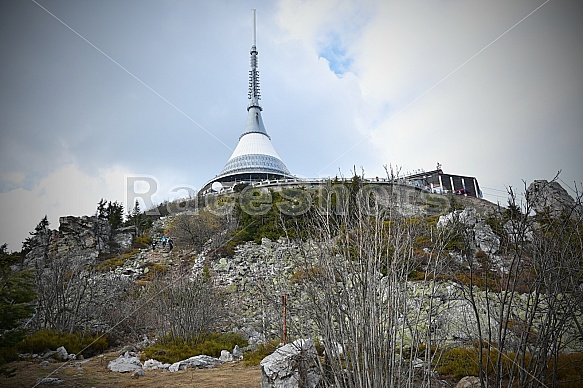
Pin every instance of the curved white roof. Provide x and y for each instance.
(254, 143)
(256, 154)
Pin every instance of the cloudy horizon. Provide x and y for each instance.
(94, 91)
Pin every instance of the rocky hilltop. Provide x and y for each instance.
(443, 273)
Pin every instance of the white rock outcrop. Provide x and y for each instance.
(226, 356)
(201, 362)
(125, 363)
(292, 366)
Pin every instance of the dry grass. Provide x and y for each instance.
(94, 373)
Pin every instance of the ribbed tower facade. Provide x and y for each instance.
(254, 158)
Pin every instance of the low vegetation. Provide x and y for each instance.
(253, 358)
(75, 343)
(171, 350)
(116, 261)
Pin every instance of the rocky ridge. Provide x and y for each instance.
(257, 275)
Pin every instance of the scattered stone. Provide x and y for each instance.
(200, 362)
(291, 366)
(139, 373)
(145, 342)
(49, 381)
(152, 364)
(226, 356)
(44, 364)
(469, 382)
(237, 353)
(62, 354)
(125, 363)
(131, 349)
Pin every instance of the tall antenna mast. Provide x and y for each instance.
(254, 95)
(254, 28)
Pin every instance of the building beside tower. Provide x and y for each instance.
(254, 158)
(437, 181)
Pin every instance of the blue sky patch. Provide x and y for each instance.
(336, 55)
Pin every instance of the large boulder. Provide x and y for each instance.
(549, 196)
(200, 362)
(226, 356)
(125, 363)
(467, 217)
(486, 239)
(62, 353)
(237, 353)
(292, 366)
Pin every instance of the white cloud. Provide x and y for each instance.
(71, 119)
(66, 191)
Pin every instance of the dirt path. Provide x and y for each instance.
(94, 373)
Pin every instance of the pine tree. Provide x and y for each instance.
(16, 296)
(38, 238)
(111, 211)
(115, 214)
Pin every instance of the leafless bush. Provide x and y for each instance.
(356, 281)
(195, 230)
(528, 310)
(183, 307)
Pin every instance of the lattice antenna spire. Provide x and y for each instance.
(254, 94)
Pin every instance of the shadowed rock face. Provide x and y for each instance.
(543, 195)
(80, 239)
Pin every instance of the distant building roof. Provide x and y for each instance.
(437, 180)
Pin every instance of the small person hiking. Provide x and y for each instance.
(164, 239)
(170, 244)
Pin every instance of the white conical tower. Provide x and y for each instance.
(254, 158)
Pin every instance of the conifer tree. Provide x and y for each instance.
(16, 297)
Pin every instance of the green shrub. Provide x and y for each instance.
(87, 345)
(263, 350)
(171, 351)
(152, 270)
(7, 354)
(142, 242)
(458, 362)
(117, 261)
(416, 275)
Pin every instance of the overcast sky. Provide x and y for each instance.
(94, 91)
